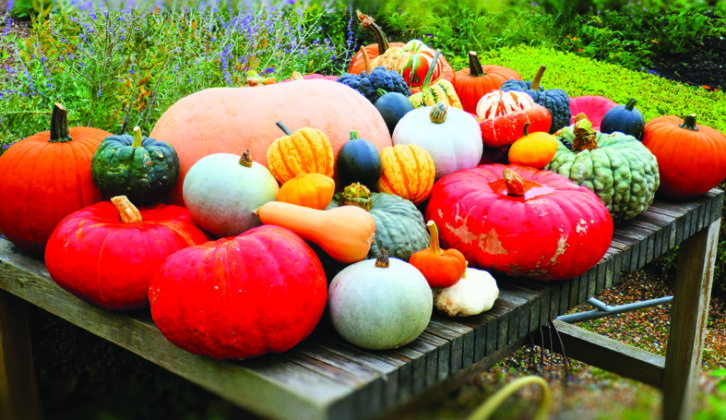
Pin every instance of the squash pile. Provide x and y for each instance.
(395, 190)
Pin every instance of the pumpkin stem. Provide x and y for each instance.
(126, 210)
(356, 194)
(430, 73)
(138, 138)
(515, 183)
(438, 113)
(585, 136)
(284, 128)
(366, 60)
(475, 68)
(631, 104)
(294, 166)
(381, 92)
(246, 160)
(525, 129)
(382, 259)
(59, 125)
(353, 135)
(370, 24)
(538, 77)
(434, 231)
(296, 75)
(689, 122)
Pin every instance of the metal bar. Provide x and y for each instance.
(604, 310)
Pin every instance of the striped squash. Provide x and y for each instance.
(442, 91)
(408, 172)
(310, 149)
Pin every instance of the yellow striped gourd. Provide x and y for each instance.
(442, 91)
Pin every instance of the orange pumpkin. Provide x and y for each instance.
(227, 120)
(312, 190)
(440, 267)
(475, 81)
(407, 171)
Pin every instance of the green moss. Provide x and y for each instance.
(580, 76)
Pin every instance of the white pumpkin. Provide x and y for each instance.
(222, 190)
(473, 294)
(451, 136)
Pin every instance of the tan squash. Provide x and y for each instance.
(345, 233)
(234, 119)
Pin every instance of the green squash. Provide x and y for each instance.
(617, 167)
(400, 227)
(141, 168)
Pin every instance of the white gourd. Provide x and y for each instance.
(473, 294)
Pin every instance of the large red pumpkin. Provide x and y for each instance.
(503, 115)
(238, 297)
(691, 157)
(521, 221)
(45, 177)
(107, 253)
(475, 81)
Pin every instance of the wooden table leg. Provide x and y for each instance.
(689, 314)
(18, 393)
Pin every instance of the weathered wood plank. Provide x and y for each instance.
(417, 378)
(443, 363)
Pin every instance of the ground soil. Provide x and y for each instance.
(704, 66)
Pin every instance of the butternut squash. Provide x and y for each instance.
(345, 233)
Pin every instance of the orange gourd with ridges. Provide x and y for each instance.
(408, 171)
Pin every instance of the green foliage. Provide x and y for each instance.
(716, 402)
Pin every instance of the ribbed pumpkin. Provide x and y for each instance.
(626, 119)
(408, 171)
(502, 116)
(400, 227)
(309, 190)
(234, 299)
(475, 81)
(555, 100)
(310, 148)
(594, 106)
(141, 168)
(434, 92)
(617, 167)
(44, 178)
(691, 156)
(521, 221)
(107, 253)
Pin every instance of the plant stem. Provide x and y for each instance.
(475, 68)
(59, 125)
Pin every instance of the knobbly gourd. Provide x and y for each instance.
(555, 100)
(381, 303)
(626, 119)
(440, 267)
(434, 92)
(374, 79)
(107, 253)
(475, 81)
(473, 294)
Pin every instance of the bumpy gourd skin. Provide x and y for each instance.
(555, 100)
(621, 171)
(380, 78)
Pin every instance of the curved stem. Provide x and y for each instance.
(689, 122)
(434, 231)
(284, 128)
(138, 138)
(430, 73)
(126, 210)
(538, 77)
(353, 135)
(59, 125)
(366, 60)
(382, 259)
(370, 24)
(631, 104)
(475, 68)
(486, 409)
(524, 130)
(246, 159)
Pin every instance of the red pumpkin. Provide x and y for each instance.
(107, 253)
(475, 81)
(595, 107)
(238, 297)
(691, 157)
(45, 177)
(521, 221)
(502, 116)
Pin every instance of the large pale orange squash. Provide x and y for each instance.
(230, 120)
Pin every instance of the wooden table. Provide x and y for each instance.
(326, 378)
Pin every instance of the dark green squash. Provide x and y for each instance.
(626, 119)
(400, 227)
(359, 161)
(392, 106)
(141, 168)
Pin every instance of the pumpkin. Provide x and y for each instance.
(380, 304)
(374, 79)
(432, 93)
(617, 167)
(230, 120)
(440, 267)
(691, 157)
(475, 81)
(473, 294)
(595, 107)
(412, 59)
(451, 136)
(309, 190)
(502, 116)
(407, 171)
(222, 191)
(107, 253)
(626, 119)
(359, 161)
(392, 106)
(45, 177)
(521, 221)
(310, 149)
(345, 233)
(141, 168)
(400, 227)
(535, 149)
(234, 299)
(555, 100)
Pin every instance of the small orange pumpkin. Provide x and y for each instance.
(407, 171)
(309, 190)
(310, 148)
(440, 267)
(533, 149)
(475, 81)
